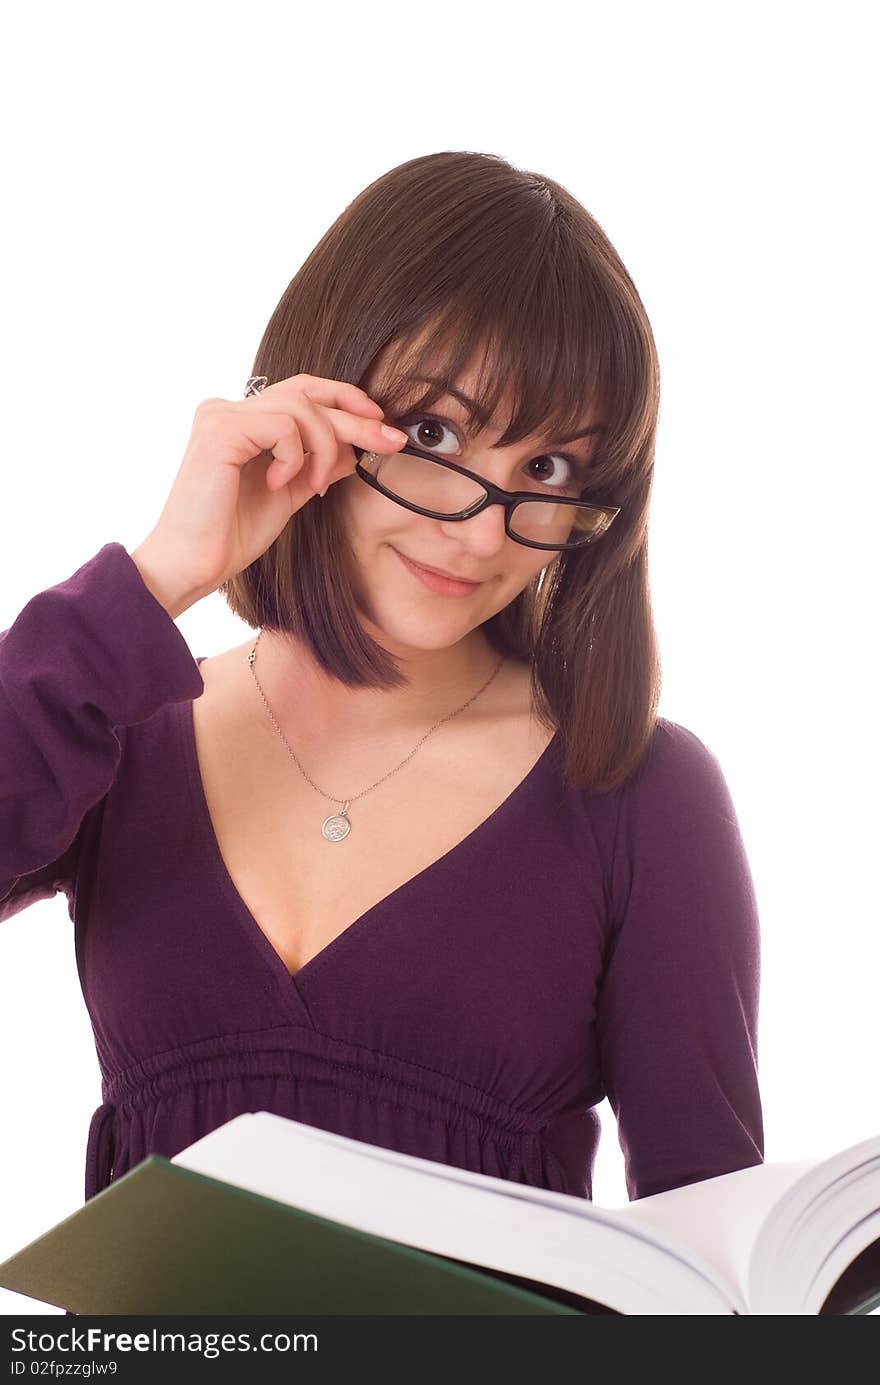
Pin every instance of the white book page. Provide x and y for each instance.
(588, 1250)
(721, 1218)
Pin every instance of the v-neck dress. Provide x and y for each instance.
(574, 946)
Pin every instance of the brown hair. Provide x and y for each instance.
(465, 253)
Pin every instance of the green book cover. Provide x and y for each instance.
(164, 1239)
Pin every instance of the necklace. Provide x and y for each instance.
(337, 826)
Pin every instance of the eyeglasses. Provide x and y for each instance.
(441, 489)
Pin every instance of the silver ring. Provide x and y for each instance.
(255, 385)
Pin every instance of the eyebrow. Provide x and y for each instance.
(455, 393)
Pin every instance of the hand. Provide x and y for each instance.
(229, 501)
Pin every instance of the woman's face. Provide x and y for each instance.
(406, 611)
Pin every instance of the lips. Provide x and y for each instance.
(438, 582)
(441, 572)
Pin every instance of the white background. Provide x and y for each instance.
(166, 172)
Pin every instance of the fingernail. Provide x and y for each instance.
(394, 434)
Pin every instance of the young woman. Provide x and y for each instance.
(420, 864)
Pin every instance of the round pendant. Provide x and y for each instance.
(336, 827)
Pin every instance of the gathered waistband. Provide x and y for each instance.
(302, 1054)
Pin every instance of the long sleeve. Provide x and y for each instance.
(83, 659)
(677, 1012)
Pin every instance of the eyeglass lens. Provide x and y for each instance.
(422, 482)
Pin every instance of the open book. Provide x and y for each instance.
(267, 1215)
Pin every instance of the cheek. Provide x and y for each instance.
(524, 564)
(365, 512)
(517, 573)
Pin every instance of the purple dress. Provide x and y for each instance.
(574, 946)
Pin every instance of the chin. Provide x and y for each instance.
(397, 622)
(400, 630)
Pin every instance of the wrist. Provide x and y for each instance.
(170, 592)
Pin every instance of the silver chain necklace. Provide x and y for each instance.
(337, 826)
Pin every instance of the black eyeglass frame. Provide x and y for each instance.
(494, 496)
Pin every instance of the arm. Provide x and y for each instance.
(678, 1005)
(83, 658)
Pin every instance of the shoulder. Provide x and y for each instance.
(222, 678)
(677, 804)
(676, 817)
(678, 859)
(677, 763)
(219, 667)
(677, 744)
(662, 809)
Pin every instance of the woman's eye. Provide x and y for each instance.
(556, 471)
(429, 433)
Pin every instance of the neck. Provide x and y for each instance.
(303, 695)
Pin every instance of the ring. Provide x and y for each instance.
(255, 385)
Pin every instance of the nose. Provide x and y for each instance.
(483, 534)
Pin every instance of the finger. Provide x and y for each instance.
(327, 435)
(339, 394)
(275, 434)
(316, 448)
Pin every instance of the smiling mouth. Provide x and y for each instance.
(439, 572)
(439, 582)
